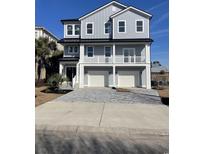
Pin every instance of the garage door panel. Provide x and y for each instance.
(126, 79)
(97, 78)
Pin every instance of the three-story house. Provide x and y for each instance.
(108, 47)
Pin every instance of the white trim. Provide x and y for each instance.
(118, 26)
(105, 73)
(110, 28)
(113, 2)
(122, 11)
(73, 29)
(92, 28)
(67, 29)
(142, 25)
(110, 51)
(86, 51)
(113, 28)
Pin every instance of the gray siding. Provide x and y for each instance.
(130, 18)
(99, 20)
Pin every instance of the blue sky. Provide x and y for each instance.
(50, 12)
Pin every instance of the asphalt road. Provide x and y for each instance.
(64, 142)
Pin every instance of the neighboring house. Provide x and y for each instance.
(159, 72)
(42, 32)
(108, 47)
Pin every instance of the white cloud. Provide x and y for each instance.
(161, 31)
(160, 19)
(157, 6)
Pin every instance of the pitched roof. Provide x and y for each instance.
(102, 7)
(45, 30)
(158, 69)
(131, 8)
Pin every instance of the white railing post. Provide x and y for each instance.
(113, 52)
(60, 68)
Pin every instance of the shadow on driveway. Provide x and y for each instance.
(56, 143)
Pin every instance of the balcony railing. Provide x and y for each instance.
(118, 59)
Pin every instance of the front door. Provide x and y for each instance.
(129, 55)
(70, 73)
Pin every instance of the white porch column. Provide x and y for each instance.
(114, 76)
(60, 68)
(147, 53)
(81, 76)
(113, 52)
(148, 77)
(77, 73)
(82, 50)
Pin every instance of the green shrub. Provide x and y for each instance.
(54, 81)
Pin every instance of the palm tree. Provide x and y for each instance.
(42, 52)
(46, 57)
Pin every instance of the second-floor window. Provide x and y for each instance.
(121, 26)
(77, 29)
(139, 26)
(89, 28)
(90, 51)
(107, 28)
(70, 30)
(108, 51)
(70, 50)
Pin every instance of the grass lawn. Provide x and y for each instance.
(42, 97)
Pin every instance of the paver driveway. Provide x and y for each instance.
(108, 95)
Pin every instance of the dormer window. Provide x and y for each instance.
(73, 29)
(107, 28)
(89, 28)
(70, 30)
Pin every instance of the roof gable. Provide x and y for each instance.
(99, 9)
(132, 9)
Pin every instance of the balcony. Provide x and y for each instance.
(118, 60)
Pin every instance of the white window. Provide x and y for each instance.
(121, 26)
(89, 28)
(77, 29)
(69, 29)
(90, 51)
(139, 26)
(107, 28)
(108, 51)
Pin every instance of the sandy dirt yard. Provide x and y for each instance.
(164, 92)
(41, 97)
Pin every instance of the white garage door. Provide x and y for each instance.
(126, 79)
(97, 78)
